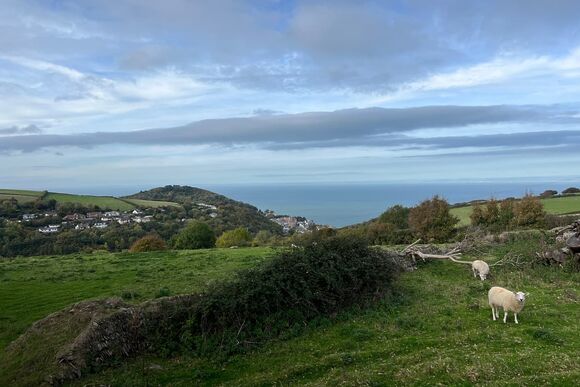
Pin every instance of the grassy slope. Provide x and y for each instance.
(31, 288)
(436, 330)
(24, 196)
(101, 201)
(20, 192)
(557, 206)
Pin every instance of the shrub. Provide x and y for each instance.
(263, 238)
(238, 237)
(283, 294)
(529, 212)
(432, 221)
(197, 235)
(148, 243)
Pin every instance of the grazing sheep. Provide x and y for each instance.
(480, 268)
(508, 300)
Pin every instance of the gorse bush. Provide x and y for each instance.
(148, 243)
(239, 237)
(282, 295)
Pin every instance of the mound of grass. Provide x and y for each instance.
(22, 196)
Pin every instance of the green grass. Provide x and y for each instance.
(33, 287)
(105, 202)
(20, 192)
(556, 206)
(435, 330)
(101, 201)
(19, 198)
(22, 196)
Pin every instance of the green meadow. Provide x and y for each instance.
(435, 329)
(108, 202)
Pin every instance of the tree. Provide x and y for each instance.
(148, 243)
(548, 193)
(432, 221)
(197, 235)
(571, 190)
(237, 237)
(477, 216)
(529, 212)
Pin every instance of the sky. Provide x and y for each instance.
(143, 93)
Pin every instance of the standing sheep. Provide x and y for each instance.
(508, 300)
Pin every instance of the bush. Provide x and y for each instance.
(263, 238)
(283, 294)
(432, 221)
(197, 235)
(238, 237)
(529, 212)
(148, 243)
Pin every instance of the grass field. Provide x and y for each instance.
(22, 196)
(105, 202)
(556, 206)
(101, 201)
(436, 329)
(31, 288)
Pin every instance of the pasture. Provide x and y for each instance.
(89, 200)
(435, 329)
(556, 206)
(104, 202)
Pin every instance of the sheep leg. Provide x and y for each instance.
(474, 273)
(505, 316)
(493, 312)
(516, 318)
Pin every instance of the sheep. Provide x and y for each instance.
(508, 300)
(479, 267)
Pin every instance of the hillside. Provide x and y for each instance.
(103, 202)
(227, 213)
(435, 329)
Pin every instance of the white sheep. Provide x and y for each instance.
(478, 267)
(508, 300)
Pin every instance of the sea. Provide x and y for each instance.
(339, 205)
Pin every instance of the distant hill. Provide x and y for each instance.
(104, 202)
(220, 212)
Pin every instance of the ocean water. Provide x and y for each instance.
(340, 205)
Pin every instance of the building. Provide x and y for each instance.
(52, 228)
(29, 217)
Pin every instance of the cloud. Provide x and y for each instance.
(15, 130)
(370, 127)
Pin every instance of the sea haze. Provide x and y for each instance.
(341, 205)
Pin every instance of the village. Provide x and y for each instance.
(297, 224)
(95, 219)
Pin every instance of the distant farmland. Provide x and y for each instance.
(104, 202)
(556, 206)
